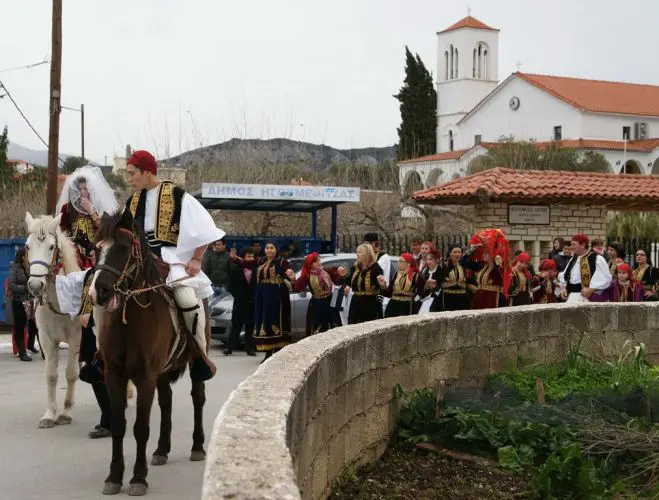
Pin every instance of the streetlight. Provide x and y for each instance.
(82, 126)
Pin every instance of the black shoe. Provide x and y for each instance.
(99, 433)
(250, 353)
(33, 350)
(24, 357)
(227, 352)
(268, 355)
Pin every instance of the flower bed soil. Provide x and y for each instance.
(406, 472)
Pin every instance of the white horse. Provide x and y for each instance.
(47, 245)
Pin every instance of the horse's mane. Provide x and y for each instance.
(41, 227)
(109, 229)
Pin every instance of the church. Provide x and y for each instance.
(475, 110)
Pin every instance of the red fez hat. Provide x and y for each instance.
(144, 161)
(548, 265)
(581, 238)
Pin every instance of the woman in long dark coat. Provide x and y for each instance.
(404, 288)
(432, 278)
(646, 274)
(272, 303)
(453, 281)
(321, 281)
(364, 283)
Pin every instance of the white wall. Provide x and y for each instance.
(601, 126)
(535, 118)
(458, 95)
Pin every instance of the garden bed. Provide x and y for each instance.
(582, 429)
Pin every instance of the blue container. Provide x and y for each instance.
(8, 250)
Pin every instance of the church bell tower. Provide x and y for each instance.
(467, 70)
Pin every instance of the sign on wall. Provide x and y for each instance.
(277, 192)
(529, 214)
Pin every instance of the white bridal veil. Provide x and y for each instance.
(88, 182)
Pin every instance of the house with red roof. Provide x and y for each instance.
(475, 110)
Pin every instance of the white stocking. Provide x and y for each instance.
(186, 298)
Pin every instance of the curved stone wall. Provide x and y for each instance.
(325, 403)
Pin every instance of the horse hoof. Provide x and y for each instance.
(158, 460)
(46, 423)
(63, 420)
(197, 456)
(137, 489)
(111, 488)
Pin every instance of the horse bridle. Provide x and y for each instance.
(50, 273)
(134, 262)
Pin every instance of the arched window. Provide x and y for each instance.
(456, 63)
(451, 64)
(473, 68)
(485, 64)
(446, 65)
(450, 140)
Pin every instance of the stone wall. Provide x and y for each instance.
(565, 221)
(326, 403)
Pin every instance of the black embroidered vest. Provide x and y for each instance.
(168, 214)
(587, 269)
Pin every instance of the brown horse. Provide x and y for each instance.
(136, 335)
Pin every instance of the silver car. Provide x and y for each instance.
(221, 306)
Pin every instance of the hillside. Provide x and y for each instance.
(281, 152)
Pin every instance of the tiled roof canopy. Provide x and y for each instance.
(469, 22)
(620, 192)
(599, 96)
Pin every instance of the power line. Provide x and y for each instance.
(28, 66)
(18, 108)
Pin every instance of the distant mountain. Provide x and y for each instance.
(281, 152)
(33, 156)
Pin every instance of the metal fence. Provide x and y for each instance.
(631, 245)
(397, 244)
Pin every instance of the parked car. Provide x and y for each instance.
(221, 305)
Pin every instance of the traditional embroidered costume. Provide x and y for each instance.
(487, 281)
(544, 289)
(648, 276)
(585, 271)
(518, 282)
(629, 290)
(403, 290)
(320, 315)
(364, 305)
(272, 306)
(85, 197)
(453, 281)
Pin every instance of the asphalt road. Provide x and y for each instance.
(63, 463)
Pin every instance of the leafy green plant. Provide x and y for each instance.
(416, 420)
(566, 474)
(631, 367)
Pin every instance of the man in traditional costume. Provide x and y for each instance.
(586, 275)
(179, 230)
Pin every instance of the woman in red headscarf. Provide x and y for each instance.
(624, 288)
(518, 281)
(320, 281)
(489, 260)
(404, 288)
(544, 285)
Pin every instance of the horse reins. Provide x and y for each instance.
(50, 268)
(134, 263)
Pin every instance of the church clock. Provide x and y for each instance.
(514, 103)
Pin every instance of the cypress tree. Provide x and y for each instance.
(418, 110)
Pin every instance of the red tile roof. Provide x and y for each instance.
(469, 22)
(600, 96)
(619, 191)
(448, 155)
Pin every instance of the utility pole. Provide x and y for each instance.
(54, 99)
(82, 130)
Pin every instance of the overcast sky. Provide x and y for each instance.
(170, 75)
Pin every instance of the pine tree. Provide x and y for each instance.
(418, 110)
